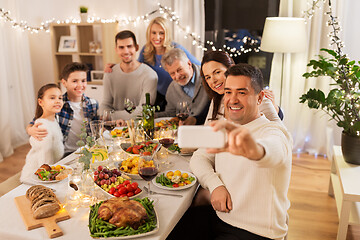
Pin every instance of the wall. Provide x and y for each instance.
(37, 11)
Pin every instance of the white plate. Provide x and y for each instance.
(155, 230)
(107, 134)
(161, 118)
(111, 196)
(37, 179)
(178, 188)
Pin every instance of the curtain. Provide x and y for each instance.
(308, 127)
(16, 93)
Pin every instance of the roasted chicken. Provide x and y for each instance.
(123, 212)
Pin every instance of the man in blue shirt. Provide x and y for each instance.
(185, 87)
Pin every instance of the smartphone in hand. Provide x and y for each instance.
(200, 137)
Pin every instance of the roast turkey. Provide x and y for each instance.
(123, 212)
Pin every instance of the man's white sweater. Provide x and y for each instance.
(258, 189)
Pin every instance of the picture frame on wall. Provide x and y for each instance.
(68, 44)
(97, 76)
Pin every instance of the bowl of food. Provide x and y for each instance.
(113, 184)
(147, 148)
(130, 168)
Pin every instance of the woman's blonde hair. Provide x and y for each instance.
(149, 50)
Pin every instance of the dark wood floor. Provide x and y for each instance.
(313, 213)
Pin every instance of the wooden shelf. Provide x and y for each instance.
(103, 33)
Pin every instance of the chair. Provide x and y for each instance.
(9, 184)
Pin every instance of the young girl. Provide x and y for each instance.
(50, 149)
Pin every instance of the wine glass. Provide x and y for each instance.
(148, 169)
(129, 105)
(166, 139)
(182, 110)
(108, 120)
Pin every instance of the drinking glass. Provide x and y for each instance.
(129, 105)
(95, 127)
(166, 139)
(148, 169)
(182, 110)
(108, 120)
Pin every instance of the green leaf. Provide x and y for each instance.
(80, 143)
(331, 52)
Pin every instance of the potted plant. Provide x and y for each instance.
(342, 103)
(83, 13)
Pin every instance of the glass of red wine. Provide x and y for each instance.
(108, 120)
(166, 139)
(182, 110)
(129, 105)
(148, 169)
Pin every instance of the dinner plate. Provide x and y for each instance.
(37, 179)
(108, 195)
(107, 134)
(161, 118)
(155, 230)
(178, 188)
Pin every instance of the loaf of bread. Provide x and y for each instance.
(44, 202)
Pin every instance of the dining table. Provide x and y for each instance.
(169, 209)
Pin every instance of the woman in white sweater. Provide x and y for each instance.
(51, 148)
(213, 67)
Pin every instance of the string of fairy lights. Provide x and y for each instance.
(250, 44)
(247, 44)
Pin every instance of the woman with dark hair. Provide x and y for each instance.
(213, 67)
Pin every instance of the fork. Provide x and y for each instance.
(160, 193)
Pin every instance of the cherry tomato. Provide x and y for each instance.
(126, 183)
(137, 191)
(123, 190)
(146, 153)
(129, 188)
(112, 190)
(134, 185)
(135, 151)
(123, 195)
(130, 194)
(116, 194)
(148, 143)
(129, 149)
(175, 185)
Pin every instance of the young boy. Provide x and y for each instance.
(77, 108)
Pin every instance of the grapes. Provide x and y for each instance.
(112, 182)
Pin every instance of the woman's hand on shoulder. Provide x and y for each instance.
(108, 67)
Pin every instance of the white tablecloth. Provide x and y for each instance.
(170, 209)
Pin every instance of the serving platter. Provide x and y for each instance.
(155, 230)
